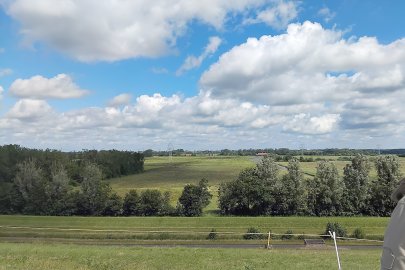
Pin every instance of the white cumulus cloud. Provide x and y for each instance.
(305, 124)
(29, 110)
(113, 30)
(37, 87)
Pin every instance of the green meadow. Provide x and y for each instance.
(57, 256)
(171, 174)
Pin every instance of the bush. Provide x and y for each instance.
(212, 235)
(252, 233)
(288, 235)
(359, 233)
(337, 228)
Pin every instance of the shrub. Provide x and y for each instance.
(337, 228)
(359, 233)
(212, 235)
(288, 235)
(252, 233)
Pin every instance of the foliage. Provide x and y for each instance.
(154, 203)
(287, 235)
(337, 228)
(131, 204)
(359, 233)
(252, 233)
(380, 203)
(356, 184)
(253, 192)
(212, 235)
(194, 198)
(290, 192)
(325, 191)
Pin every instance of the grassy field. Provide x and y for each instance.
(172, 174)
(174, 228)
(44, 257)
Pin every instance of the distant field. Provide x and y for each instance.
(46, 257)
(172, 174)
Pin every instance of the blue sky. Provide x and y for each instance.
(215, 74)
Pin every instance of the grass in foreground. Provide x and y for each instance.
(43, 257)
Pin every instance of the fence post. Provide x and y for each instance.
(268, 240)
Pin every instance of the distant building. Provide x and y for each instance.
(262, 154)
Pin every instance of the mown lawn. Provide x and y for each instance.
(57, 256)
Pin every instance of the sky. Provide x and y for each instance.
(202, 75)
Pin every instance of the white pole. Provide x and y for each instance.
(333, 235)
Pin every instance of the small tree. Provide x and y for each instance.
(337, 228)
(194, 198)
(252, 233)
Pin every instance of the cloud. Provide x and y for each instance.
(278, 16)
(116, 29)
(37, 87)
(312, 65)
(192, 61)
(5, 72)
(305, 124)
(29, 110)
(327, 14)
(1, 92)
(122, 99)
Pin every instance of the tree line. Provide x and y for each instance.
(261, 191)
(37, 190)
(113, 163)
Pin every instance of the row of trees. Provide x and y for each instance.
(260, 190)
(113, 163)
(37, 192)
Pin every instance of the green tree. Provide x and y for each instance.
(95, 192)
(194, 198)
(388, 172)
(57, 191)
(113, 206)
(325, 190)
(356, 183)
(154, 203)
(131, 204)
(253, 192)
(30, 184)
(291, 192)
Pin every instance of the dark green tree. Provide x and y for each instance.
(325, 190)
(388, 172)
(253, 192)
(194, 198)
(356, 183)
(131, 204)
(291, 191)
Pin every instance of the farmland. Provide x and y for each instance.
(46, 242)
